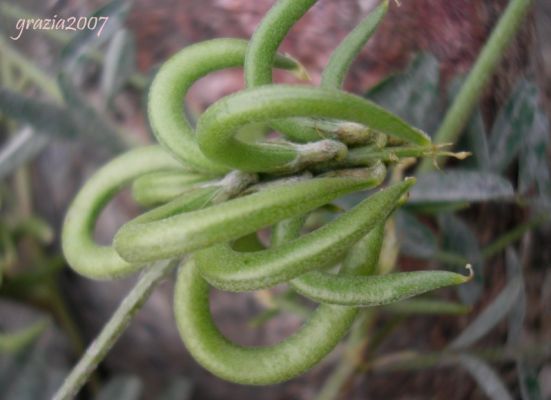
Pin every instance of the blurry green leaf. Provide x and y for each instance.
(458, 238)
(30, 375)
(475, 135)
(436, 207)
(122, 387)
(21, 148)
(528, 381)
(14, 342)
(490, 316)
(459, 185)
(178, 389)
(512, 123)
(477, 139)
(84, 41)
(90, 122)
(486, 377)
(413, 94)
(119, 64)
(533, 160)
(44, 117)
(34, 227)
(426, 306)
(518, 312)
(57, 121)
(415, 238)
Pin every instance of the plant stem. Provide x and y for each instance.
(512, 236)
(407, 360)
(458, 114)
(351, 359)
(99, 348)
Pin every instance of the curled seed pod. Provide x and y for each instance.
(342, 57)
(264, 44)
(176, 76)
(81, 251)
(218, 125)
(265, 365)
(167, 232)
(373, 290)
(161, 187)
(227, 269)
(252, 365)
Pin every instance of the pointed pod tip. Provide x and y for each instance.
(470, 276)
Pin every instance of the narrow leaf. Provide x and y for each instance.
(123, 387)
(415, 238)
(21, 148)
(413, 95)
(110, 17)
(533, 160)
(460, 185)
(14, 342)
(477, 140)
(490, 317)
(514, 120)
(518, 312)
(119, 64)
(460, 239)
(45, 117)
(178, 389)
(486, 377)
(528, 381)
(88, 120)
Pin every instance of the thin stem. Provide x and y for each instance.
(458, 115)
(351, 359)
(99, 348)
(512, 236)
(407, 360)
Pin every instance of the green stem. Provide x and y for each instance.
(512, 236)
(351, 359)
(99, 348)
(458, 115)
(407, 360)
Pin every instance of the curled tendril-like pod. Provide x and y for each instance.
(263, 47)
(81, 251)
(227, 269)
(166, 231)
(175, 78)
(284, 360)
(218, 125)
(252, 365)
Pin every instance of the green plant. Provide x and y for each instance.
(223, 185)
(207, 215)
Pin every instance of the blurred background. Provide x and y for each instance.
(70, 101)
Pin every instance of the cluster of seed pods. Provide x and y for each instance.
(208, 187)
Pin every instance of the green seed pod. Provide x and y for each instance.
(167, 232)
(373, 290)
(81, 251)
(227, 269)
(252, 365)
(218, 125)
(175, 78)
